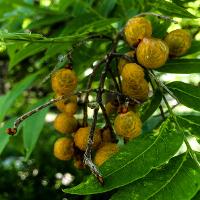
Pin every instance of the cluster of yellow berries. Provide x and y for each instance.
(148, 53)
(74, 142)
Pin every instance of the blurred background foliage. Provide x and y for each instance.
(38, 34)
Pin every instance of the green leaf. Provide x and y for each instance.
(172, 9)
(7, 100)
(99, 26)
(181, 66)
(187, 94)
(4, 137)
(32, 128)
(195, 47)
(190, 123)
(151, 106)
(105, 7)
(29, 50)
(179, 179)
(134, 161)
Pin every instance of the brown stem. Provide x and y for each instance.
(89, 84)
(19, 120)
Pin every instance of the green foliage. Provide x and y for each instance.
(187, 94)
(37, 38)
(30, 135)
(140, 156)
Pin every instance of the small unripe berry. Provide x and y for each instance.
(81, 138)
(133, 83)
(136, 29)
(64, 82)
(152, 53)
(128, 125)
(105, 152)
(179, 41)
(65, 124)
(63, 148)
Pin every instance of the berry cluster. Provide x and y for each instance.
(146, 53)
(74, 143)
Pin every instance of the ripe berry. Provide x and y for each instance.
(133, 83)
(65, 124)
(136, 29)
(81, 138)
(128, 125)
(63, 148)
(64, 82)
(179, 41)
(152, 53)
(123, 62)
(105, 152)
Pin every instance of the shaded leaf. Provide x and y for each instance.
(105, 7)
(187, 94)
(7, 100)
(30, 134)
(181, 66)
(195, 47)
(151, 106)
(4, 137)
(134, 161)
(29, 50)
(172, 9)
(190, 123)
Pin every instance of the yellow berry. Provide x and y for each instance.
(81, 138)
(65, 124)
(69, 106)
(128, 125)
(133, 83)
(152, 53)
(123, 61)
(105, 152)
(63, 148)
(179, 41)
(64, 82)
(136, 29)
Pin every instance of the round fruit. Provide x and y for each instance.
(68, 106)
(61, 104)
(105, 152)
(65, 124)
(128, 125)
(133, 83)
(123, 61)
(179, 41)
(136, 29)
(152, 53)
(64, 82)
(63, 148)
(81, 138)
(71, 108)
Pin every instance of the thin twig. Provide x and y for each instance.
(87, 156)
(162, 85)
(19, 120)
(157, 15)
(89, 84)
